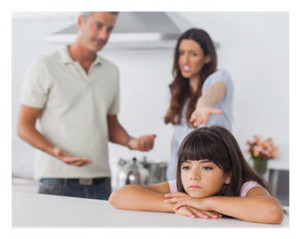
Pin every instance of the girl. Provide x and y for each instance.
(200, 94)
(213, 179)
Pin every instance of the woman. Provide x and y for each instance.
(200, 94)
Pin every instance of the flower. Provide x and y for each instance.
(263, 149)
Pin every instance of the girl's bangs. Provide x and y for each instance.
(203, 147)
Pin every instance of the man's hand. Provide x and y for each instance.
(68, 158)
(143, 143)
(201, 115)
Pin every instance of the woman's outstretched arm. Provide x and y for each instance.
(258, 206)
(204, 105)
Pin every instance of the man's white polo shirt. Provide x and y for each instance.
(75, 108)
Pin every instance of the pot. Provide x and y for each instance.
(132, 173)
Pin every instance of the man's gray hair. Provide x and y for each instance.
(86, 14)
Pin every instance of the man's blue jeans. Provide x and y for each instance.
(100, 189)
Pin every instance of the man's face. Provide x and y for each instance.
(94, 30)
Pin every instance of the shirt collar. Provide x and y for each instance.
(97, 60)
(66, 58)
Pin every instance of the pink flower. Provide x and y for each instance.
(261, 149)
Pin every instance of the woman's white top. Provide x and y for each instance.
(225, 119)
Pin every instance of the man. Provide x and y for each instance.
(75, 95)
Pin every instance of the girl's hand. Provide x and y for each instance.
(179, 198)
(176, 197)
(201, 115)
(198, 203)
(194, 213)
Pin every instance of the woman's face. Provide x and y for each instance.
(202, 178)
(191, 58)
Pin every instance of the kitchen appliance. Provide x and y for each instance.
(140, 172)
(134, 30)
(132, 173)
(157, 171)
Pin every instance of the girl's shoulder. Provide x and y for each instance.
(160, 187)
(173, 186)
(247, 186)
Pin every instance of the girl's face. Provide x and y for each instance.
(191, 58)
(202, 178)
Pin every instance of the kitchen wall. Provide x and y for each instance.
(253, 48)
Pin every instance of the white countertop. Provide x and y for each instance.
(37, 210)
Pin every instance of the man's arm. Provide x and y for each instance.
(28, 132)
(118, 135)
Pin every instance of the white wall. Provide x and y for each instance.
(253, 48)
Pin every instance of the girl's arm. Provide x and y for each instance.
(258, 206)
(152, 198)
(143, 198)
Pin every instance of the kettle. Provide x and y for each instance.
(132, 173)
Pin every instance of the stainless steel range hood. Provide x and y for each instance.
(136, 30)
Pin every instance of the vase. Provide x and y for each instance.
(260, 166)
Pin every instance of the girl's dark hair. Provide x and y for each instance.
(218, 145)
(180, 88)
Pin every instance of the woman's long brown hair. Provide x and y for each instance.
(180, 88)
